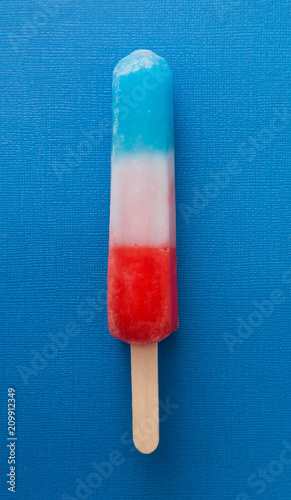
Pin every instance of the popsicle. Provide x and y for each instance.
(142, 299)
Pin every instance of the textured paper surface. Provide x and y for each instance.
(225, 407)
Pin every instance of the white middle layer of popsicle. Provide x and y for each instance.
(142, 208)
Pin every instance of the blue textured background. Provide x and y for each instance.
(232, 395)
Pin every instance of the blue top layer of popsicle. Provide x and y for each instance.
(142, 104)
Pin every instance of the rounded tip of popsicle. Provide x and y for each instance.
(137, 60)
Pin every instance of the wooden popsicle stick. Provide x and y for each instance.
(145, 396)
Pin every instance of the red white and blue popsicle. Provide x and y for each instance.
(142, 269)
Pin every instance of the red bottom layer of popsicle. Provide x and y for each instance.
(142, 293)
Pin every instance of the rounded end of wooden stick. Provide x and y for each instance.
(148, 445)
